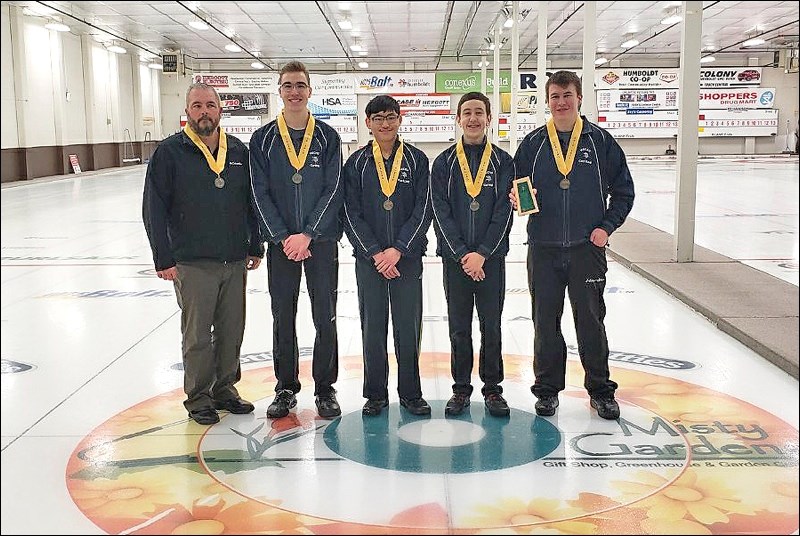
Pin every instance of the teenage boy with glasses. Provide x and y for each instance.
(387, 213)
(295, 164)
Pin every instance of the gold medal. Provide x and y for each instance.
(564, 184)
(222, 152)
(388, 182)
(296, 160)
(474, 206)
(388, 205)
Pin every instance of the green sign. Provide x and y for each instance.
(464, 82)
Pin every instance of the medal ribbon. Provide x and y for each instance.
(218, 165)
(297, 161)
(565, 166)
(388, 184)
(473, 186)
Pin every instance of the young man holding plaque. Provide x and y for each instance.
(585, 192)
(295, 163)
(197, 213)
(387, 213)
(470, 185)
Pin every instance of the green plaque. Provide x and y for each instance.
(526, 201)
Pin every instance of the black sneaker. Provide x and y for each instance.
(327, 406)
(606, 406)
(496, 404)
(374, 406)
(416, 406)
(284, 401)
(237, 405)
(204, 416)
(456, 404)
(546, 406)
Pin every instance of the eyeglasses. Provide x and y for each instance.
(381, 119)
(299, 86)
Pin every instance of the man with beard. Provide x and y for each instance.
(204, 237)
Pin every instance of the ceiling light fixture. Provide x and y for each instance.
(708, 59)
(754, 42)
(257, 65)
(363, 53)
(672, 19)
(197, 24)
(345, 24)
(344, 6)
(57, 26)
(356, 47)
(363, 64)
(233, 47)
(156, 66)
(630, 43)
(600, 61)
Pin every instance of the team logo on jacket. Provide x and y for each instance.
(585, 156)
(488, 181)
(404, 173)
(313, 159)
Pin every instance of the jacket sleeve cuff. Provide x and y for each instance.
(256, 250)
(278, 238)
(608, 228)
(460, 252)
(308, 231)
(484, 251)
(399, 246)
(373, 250)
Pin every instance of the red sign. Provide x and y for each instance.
(73, 160)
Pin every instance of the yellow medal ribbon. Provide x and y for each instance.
(388, 184)
(565, 166)
(297, 161)
(218, 165)
(473, 186)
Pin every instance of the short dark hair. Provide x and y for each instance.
(294, 67)
(475, 95)
(382, 103)
(562, 79)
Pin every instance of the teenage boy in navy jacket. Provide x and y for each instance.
(387, 213)
(470, 185)
(583, 197)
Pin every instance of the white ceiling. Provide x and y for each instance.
(421, 35)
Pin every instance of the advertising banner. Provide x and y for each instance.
(667, 99)
(396, 83)
(245, 103)
(239, 82)
(333, 84)
(331, 104)
(429, 103)
(645, 78)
